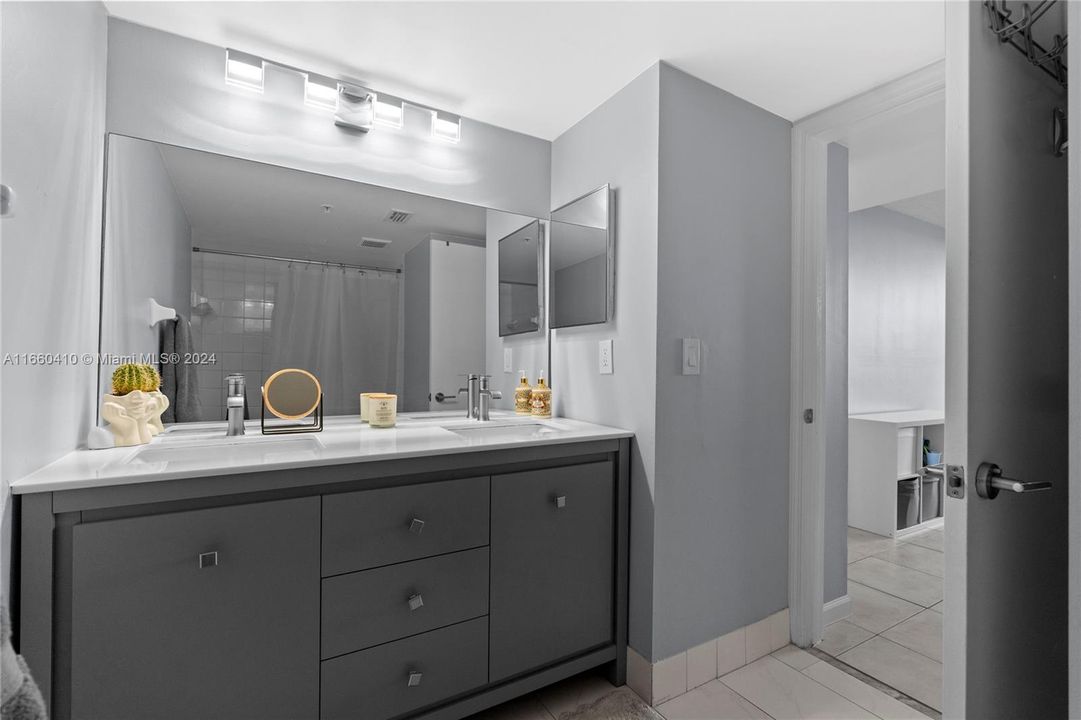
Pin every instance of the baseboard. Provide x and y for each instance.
(665, 679)
(836, 609)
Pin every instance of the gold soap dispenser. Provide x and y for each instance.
(541, 399)
(523, 396)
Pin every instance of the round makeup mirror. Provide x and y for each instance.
(292, 394)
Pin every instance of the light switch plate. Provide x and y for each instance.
(692, 356)
(604, 357)
(508, 360)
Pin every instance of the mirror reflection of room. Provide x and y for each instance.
(366, 287)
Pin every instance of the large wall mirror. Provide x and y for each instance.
(581, 268)
(521, 280)
(371, 289)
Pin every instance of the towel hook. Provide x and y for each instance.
(160, 312)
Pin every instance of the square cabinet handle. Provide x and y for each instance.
(416, 526)
(415, 678)
(208, 559)
(416, 601)
(561, 501)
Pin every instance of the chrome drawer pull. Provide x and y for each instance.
(561, 501)
(416, 601)
(208, 559)
(416, 526)
(415, 678)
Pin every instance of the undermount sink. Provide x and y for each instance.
(517, 431)
(229, 451)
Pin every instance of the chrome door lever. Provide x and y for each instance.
(989, 480)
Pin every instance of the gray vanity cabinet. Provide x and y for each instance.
(553, 573)
(210, 613)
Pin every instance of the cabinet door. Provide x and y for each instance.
(552, 566)
(203, 614)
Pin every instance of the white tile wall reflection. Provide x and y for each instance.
(240, 292)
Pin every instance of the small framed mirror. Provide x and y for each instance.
(292, 394)
(521, 275)
(581, 269)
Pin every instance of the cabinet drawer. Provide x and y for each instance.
(207, 613)
(371, 528)
(367, 608)
(375, 684)
(553, 565)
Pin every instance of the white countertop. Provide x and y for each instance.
(903, 418)
(201, 449)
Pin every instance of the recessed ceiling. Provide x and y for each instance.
(538, 68)
(929, 207)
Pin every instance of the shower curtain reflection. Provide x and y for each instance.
(341, 325)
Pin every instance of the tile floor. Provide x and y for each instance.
(894, 633)
(788, 683)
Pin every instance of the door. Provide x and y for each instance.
(1005, 627)
(552, 540)
(203, 614)
(457, 321)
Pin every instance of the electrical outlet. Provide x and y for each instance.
(692, 356)
(604, 358)
(508, 360)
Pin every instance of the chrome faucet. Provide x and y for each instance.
(234, 404)
(480, 396)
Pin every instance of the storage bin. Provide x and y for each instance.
(908, 509)
(932, 496)
(908, 450)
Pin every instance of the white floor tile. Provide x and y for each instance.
(669, 678)
(794, 657)
(759, 639)
(526, 708)
(870, 699)
(784, 693)
(701, 664)
(915, 675)
(842, 635)
(731, 651)
(931, 539)
(905, 583)
(877, 611)
(915, 557)
(922, 633)
(779, 632)
(863, 544)
(712, 701)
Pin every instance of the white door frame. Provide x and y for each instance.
(810, 137)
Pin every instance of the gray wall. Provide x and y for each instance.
(52, 114)
(172, 89)
(618, 143)
(147, 250)
(897, 313)
(835, 401)
(721, 522)
(528, 350)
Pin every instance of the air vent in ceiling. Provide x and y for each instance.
(374, 242)
(398, 216)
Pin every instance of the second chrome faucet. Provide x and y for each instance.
(480, 396)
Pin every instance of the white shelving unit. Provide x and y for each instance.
(883, 449)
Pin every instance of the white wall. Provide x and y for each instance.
(721, 527)
(147, 250)
(52, 115)
(618, 144)
(171, 89)
(896, 313)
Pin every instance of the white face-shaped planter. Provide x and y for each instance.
(134, 418)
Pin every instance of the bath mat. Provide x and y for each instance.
(616, 705)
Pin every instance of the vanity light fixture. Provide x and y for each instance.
(389, 110)
(320, 91)
(244, 70)
(446, 126)
(356, 108)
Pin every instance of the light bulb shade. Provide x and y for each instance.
(320, 91)
(389, 110)
(243, 70)
(446, 126)
(356, 108)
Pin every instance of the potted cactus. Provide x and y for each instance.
(134, 408)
